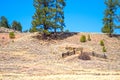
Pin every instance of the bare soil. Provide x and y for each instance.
(29, 58)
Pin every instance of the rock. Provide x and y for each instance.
(64, 55)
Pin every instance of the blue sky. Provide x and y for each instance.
(80, 15)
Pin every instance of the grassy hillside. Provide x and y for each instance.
(27, 55)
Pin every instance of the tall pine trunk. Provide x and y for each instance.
(55, 29)
(111, 25)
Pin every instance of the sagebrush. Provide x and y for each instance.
(89, 38)
(83, 38)
(102, 43)
(12, 35)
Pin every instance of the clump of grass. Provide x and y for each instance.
(12, 35)
(89, 38)
(83, 38)
(104, 49)
(102, 43)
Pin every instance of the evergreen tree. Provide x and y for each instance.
(59, 15)
(106, 29)
(42, 17)
(109, 16)
(33, 29)
(19, 27)
(4, 22)
(49, 15)
(16, 26)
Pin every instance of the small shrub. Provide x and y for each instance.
(89, 38)
(102, 43)
(83, 38)
(12, 35)
(104, 49)
(84, 56)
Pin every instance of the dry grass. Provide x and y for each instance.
(60, 77)
(31, 59)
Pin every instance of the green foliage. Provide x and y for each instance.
(109, 16)
(46, 32)
(89, 38)
(59, 15)
(4, 22)
(49, 15)
(16, 26)
(43, 15)
(104, 49)
(106, 29)
(33, 29)
(12, 35)
(102, 43)
(83, 38)
(19, 27)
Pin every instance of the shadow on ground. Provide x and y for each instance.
(57, 36)
(116, 36)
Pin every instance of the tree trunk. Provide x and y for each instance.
(55, 32)
(110, 34)
(44, 32)
(111, 21)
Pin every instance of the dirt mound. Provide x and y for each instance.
(7, 30)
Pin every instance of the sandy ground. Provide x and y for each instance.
(28, 58)
(61, 77)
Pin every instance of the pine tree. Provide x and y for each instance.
(109, 16)
(59, 15)
(49, 15)
(33, 29)
(19, 27)
(16, 26)
(42, 17)
(4, 22)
